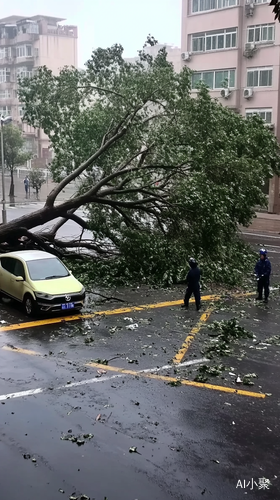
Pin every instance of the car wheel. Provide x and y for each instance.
(29, 305)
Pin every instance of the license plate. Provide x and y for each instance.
(70, 305)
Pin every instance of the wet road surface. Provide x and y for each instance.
(187, 441)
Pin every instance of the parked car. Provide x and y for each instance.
(40, 281)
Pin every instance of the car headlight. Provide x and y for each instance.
(42, 295)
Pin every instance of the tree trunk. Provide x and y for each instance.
(12, 189)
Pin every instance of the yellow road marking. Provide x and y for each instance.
(202, 320)
(21, 351)
(164, 378)
(111, 312)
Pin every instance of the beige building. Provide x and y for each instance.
(173, 55)
(26, 44)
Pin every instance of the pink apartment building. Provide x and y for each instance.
(26, 44)
(239, 43)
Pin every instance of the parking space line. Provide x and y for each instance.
(202, 320)
(148, 374)
(20, 350)
(111, 312)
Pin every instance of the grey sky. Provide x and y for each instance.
(102, 23)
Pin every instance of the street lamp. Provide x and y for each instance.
(4, 121)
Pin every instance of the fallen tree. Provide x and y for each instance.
(161, 175)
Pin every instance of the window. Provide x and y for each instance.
(5, 94)
(261, 33)
(5, 111)
(24, 51)
(202, 5)
(260, 1)
(215, 79)
(32, 28)
(28, 146)
(214, 40)
(8, 264)
(24, 72)
(265, 114)
(43, 269)
(259, 77)
(21, 111)
(5, 75)
(5, 52)
(19, 269)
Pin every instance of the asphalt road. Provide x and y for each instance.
(141, 434)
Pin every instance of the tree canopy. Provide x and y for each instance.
(14, 152)
(162, 175)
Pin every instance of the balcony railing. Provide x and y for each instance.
(6, 61)
(24, 59)
(20, 38)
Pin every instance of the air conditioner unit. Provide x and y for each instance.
(270, 126)
(225, 93)
(249, 49)
(247, 93)
(186, 56)
(249, 9)
(250, 46)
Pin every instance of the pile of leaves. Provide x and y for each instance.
(225, 333)
(206, 371)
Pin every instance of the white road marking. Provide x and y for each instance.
(262, 235)
(180, 365)
(273, 246)
(273, 251)
(22, 394)
(33, 392)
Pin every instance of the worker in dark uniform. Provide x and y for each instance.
(193, 285)
(262, 272)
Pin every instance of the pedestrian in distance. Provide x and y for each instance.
(262, 272)
(193, 285)
(26, 185)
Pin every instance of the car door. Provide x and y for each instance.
(6, 275)
(11, 268)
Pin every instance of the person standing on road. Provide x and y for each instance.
(263, 271)
(193, 285)
(26, 185)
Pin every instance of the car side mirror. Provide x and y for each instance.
(19, 278)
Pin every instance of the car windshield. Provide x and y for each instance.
(44, 269)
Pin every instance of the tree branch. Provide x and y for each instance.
(76, 219)
(82, 244)
(69, 178)
(39, 241)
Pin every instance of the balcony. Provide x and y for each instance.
(6, 61)
(7, 101)
(20, 38)
(6, 42)
(24, 60)
(26, 37)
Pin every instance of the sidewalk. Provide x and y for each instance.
(20, 197)
(264, 223)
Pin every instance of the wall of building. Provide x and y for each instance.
(264, 59)
(173, 55)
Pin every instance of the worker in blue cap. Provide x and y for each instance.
(262, 272)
